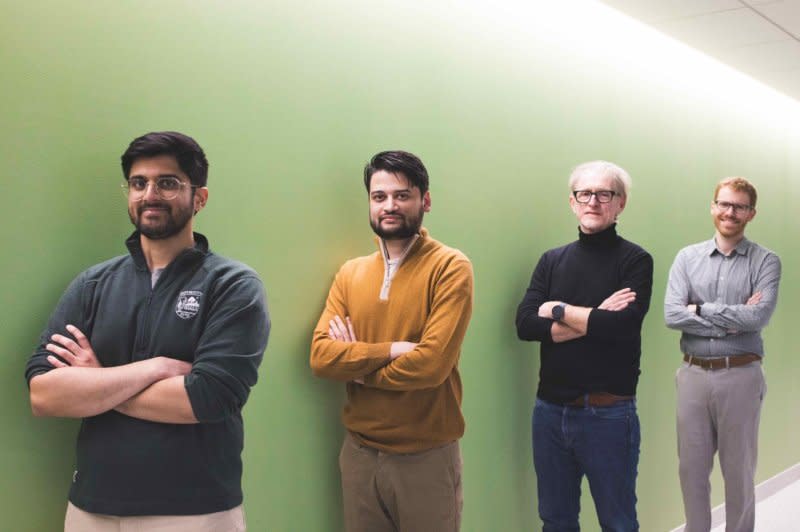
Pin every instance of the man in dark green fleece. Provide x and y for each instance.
(156, 351)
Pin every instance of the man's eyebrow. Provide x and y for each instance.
(391, 191)
(157, 177)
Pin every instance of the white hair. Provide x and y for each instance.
(622, 180)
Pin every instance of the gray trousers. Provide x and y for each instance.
(719, 410)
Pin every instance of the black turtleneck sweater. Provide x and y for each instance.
(584, 273)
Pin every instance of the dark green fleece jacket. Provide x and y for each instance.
(204, 309)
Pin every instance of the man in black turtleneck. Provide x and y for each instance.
(585, 305)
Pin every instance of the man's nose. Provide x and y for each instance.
(151, 191)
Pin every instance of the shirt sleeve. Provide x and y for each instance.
(637, 274)
(432, 361)
(749, 318)
(529, 325)
(230, 350)
(338, 360)
(676, 299)
(68, 311)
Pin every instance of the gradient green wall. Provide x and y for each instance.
(289, 100)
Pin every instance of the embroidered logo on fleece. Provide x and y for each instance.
(188, 304)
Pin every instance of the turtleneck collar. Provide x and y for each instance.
(606, 237)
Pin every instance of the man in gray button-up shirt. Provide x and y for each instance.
(720, 294)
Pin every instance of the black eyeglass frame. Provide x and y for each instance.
(737, 207)
(596, 194)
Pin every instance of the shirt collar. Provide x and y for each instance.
(742, 248)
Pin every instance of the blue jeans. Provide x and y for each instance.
(599, 442)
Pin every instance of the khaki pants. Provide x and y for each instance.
(419, 492)
(719, 410)
(78, 520)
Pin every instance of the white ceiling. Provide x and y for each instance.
(758, 37)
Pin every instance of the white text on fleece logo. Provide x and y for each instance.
(188, 304)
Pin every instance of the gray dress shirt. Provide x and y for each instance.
(726, 326)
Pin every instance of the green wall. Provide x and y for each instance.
(289, 100)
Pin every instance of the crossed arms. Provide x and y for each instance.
(576, 319)
(718, 319)
(399, 364)
(67, 379)
(79, 386)
(619, 314)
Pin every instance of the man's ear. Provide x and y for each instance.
(200, 198)
(426, 202)
(623, 200)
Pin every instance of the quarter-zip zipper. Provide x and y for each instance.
(387, 276)
(142, 328)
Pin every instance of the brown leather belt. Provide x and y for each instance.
(721, 362)
(599, 399)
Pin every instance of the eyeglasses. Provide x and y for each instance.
(738, 208)
(167, 187)
(585, 196)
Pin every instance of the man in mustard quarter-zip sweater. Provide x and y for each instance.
(392, 330)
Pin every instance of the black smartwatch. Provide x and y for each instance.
(697, 308)
(558, 312)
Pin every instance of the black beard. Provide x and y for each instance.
(175, 223)
(407, 230)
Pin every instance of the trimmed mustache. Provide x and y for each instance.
(152, 205)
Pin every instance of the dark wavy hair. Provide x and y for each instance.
(398, 162)
(184, 148)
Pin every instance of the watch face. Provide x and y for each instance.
(558, 312)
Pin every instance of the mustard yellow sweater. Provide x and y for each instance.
(414, 402)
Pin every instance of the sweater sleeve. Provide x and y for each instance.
(637, 274)
(69, 310)
(230, 350)
(432, 361)
(529, 325)
(338, 360)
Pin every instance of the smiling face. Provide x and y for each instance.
(154, 217)
(396, 207)
(594, 217)
(731, 219)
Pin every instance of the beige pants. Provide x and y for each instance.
(78, 520)
(419, 492)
